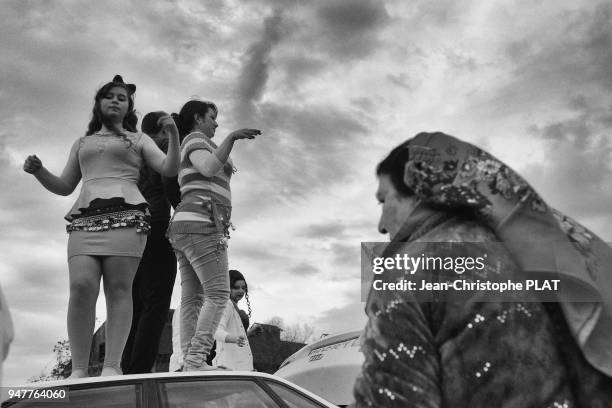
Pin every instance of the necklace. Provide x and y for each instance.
(106, 136)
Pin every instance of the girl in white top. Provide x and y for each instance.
(233, 349)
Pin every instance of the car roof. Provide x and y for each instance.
(152, 376)
(131, 378)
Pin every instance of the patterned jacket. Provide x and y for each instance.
(469, 352)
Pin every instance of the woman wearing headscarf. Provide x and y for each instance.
(449, 199)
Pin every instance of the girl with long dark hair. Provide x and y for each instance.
(109, 221)
(233, 348)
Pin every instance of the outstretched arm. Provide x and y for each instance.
(63, 185)
(209, 163)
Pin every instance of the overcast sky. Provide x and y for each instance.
(334, 85)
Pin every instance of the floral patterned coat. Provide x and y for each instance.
(470, 353)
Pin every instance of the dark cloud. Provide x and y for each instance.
(333, 230)
(304, 269)
(580, 54)
(351, 26)
(403, 80)
(364, 103)
(300, 67)
(546, 64)
(300, 151)
(40, 52)
(462, 62)
(576, 129)
(444, 13)
(254, 73)
(315, 127)
(598, 41)
(348, 17)
(579, 153)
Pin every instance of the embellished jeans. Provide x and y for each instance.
(203, 267)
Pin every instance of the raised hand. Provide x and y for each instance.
(168, 126)
(32, 164)
(245, 134)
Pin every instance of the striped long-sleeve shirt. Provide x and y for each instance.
(201, 195)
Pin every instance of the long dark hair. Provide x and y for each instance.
(236, 276)
(185, 119)
(98, 119)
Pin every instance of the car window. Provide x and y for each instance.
(215, 394)
(120, 396)
(291, 397)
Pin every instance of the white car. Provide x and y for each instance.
(327, 367)
(203, 389)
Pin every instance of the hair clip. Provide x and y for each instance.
(131, 88)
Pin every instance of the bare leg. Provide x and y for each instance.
(84, 277)
(118, 273)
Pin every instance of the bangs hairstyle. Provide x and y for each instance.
(98, 119)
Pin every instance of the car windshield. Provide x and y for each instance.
(215, 394)
(291, 397)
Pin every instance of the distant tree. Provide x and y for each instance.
(276, 321)
(63, 363)
(298, 333)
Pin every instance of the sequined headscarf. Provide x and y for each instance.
(453, 174)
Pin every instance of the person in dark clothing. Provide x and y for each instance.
(443, 198)
(152, 287)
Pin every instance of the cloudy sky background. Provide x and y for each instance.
(334, 85)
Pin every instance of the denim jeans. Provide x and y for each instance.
(202, 260)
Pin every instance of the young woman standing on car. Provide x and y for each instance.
(109, 221)
(200, 226)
